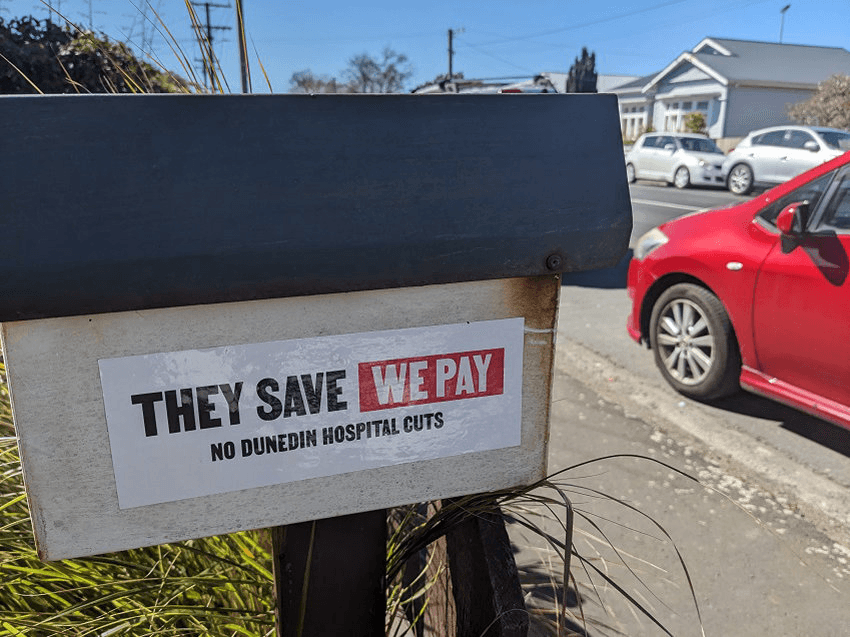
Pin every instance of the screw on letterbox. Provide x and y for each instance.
(553, 261)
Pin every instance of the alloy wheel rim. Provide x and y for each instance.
(681, 177)
(740, 179)
(685, 342)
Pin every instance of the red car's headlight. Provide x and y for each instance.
(649, 242)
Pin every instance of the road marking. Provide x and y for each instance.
(678, 206)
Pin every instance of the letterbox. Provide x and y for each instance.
(232, 312)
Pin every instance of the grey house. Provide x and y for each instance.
(738, 85)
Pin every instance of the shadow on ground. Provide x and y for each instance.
(609, 278)
(815, 429)
(543, 594)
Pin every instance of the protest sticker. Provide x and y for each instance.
(193, 423)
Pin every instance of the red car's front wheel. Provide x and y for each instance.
(694, 343)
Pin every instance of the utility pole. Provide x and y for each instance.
(782, 20)
(147, 31)
(244, 71)
(451, 53)
(141, 28)
(205, 40)
(451, 50)
(55, 6)
(89, 15)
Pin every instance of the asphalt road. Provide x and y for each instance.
(760, 518)
(654, 203)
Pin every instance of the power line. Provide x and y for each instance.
(141, 21)
(590, 23)
(654, 27)
(495, 57)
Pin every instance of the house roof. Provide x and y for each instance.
(633, 86)
(725, 60)
(761, 63)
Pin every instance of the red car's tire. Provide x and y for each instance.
(694, 343)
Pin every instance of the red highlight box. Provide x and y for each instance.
(431, 379)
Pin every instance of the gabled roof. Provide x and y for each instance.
(632, 88)
(761, 63)
(637, 83)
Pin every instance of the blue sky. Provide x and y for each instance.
(497, 38)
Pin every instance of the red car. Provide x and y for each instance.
(755, 296)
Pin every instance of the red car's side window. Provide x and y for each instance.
(836, 216)
(811, 192)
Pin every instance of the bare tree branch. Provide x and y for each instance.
(829, 106)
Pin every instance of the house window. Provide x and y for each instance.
(632, 122)
(677, 112)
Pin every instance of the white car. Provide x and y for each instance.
(771, 156)
(681, 159)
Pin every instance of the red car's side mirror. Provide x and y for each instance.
(792, 219)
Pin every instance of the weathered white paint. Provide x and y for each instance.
(59, 411)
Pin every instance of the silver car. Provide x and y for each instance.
(771, 156)
(681, 159)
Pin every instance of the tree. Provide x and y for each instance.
(367, 75)
(36, 53)
(306, 82)
(364, 74)
(829, 106)
(695, 123)
(582, 75)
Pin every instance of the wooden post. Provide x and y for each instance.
(485, 581)
(329, 576)
(436, 610)
(478, 593)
